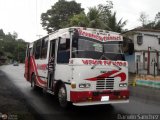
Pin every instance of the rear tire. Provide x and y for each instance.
(33, 82)
(62, 96)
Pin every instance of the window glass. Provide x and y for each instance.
(31, 51)
(44, 48)
(37, 49)
(84, 48)
(63, 54)
(112, 48)
(138, 58)
(139, 39)
(87, 48)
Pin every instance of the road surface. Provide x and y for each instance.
(48, 108)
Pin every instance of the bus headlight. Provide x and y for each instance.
(84, 85)
(123, 85)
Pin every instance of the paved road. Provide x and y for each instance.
(47, 107)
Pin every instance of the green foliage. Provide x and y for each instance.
(113, 25)
(11, 47)
(66, 14)
(1, 33)
(154, 24)
(94, 16)
(80, 20)
(99, 17)
(58, 16)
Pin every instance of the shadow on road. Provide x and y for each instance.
(100, 112)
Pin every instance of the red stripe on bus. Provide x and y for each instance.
(35, 67)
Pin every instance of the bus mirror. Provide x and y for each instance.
(75, 38)
(75, 34)
(130, 48)
(75, 43)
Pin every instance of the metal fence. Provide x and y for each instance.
(142, 68)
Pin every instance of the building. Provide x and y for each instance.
(146, 56)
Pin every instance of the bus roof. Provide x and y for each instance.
(85, 32)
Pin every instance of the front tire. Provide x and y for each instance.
(62, 96)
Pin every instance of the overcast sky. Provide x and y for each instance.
(23, 16)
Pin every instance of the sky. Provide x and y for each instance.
(23, 16)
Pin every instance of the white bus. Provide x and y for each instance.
(84, 66)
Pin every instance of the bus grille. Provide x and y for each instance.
(107, 83)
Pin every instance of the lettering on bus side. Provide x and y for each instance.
(42, 66)
(104, 62)
(103, 38)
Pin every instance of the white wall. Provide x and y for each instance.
(151, 41)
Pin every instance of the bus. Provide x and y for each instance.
(82, 66)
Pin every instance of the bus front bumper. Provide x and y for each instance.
(83, 98)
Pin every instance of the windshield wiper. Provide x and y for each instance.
(119, 68)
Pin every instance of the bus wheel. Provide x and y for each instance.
(62, 96)
(33, 85)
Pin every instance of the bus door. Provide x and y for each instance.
(27, 63)
(51, 65)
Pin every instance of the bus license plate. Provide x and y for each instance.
(105, 98)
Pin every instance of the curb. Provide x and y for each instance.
(149, 83)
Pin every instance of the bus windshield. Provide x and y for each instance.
(89, 48)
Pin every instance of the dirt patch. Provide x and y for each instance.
(12, 101)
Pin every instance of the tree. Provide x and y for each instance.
(157, 21)
(115, 25)
(15, 35)
(105, 10)
(153, 24)
(1, 33)
(103, 18)
(64, 14)
(157, 17)
(94, 16)
(80, 20)
(143, 18)
(11, 47)
(58, 16)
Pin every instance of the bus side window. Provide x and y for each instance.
(31, 51)
(37, 49)
(63, 51)
(27, 51)
(44, 48)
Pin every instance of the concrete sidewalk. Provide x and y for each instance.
(145, 94)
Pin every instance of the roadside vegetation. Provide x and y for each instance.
(70, 13)
(11, 48)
